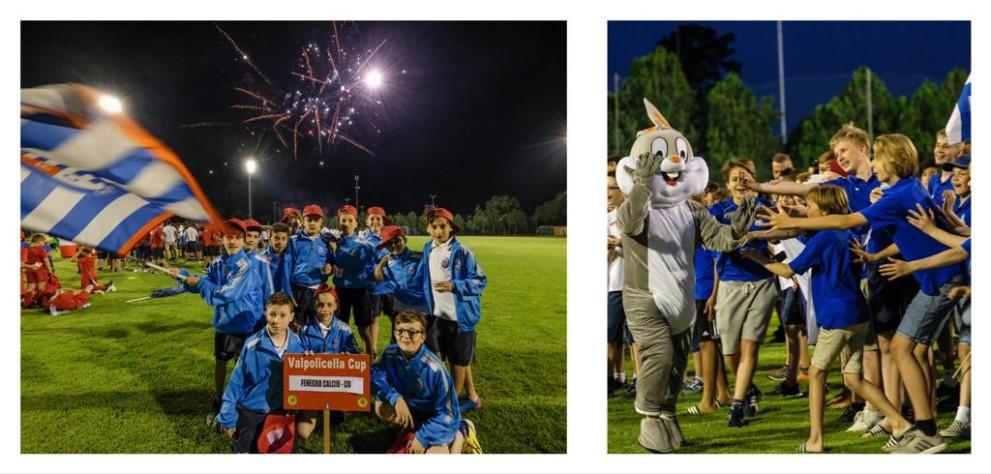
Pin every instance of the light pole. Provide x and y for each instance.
(356, 188)
(250, 165)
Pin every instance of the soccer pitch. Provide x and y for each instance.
(137, 378)
(780, 426)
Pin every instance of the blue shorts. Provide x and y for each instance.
(962, 314)
(927, 314)
(617, 318)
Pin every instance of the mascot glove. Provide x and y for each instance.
(647, 166)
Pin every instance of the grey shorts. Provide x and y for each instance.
(963, 320)
(743, 311)
(848, 341)
(927, 314)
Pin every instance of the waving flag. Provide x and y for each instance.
(95, 177)
(958, 128)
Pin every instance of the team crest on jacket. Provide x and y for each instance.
(445, 262)
(321, 250)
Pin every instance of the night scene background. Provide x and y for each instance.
(465, 110)
(917, 70)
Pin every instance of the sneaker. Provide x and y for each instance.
(471, 445)
(788, 390)
(780, 375)
(736, 415)
(111, 287)
(211, 417)
(957, 429)
(468, 404)
(695, 386)
(864, 420)
(851, 412)
(915, 441)
(53, 311)
(754, 396)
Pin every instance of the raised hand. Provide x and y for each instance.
(860, 255)
(921, 219)
(776, 218)
(647, 166)
(895, 269)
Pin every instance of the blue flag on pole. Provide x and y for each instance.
(958, 127)
(96, 177)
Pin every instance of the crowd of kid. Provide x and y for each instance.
(865, 258)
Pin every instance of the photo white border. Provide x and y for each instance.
(587, 94)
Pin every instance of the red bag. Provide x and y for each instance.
(278, 434)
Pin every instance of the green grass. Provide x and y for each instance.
(781, 425)
(137, 378)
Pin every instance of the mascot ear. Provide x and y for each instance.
(655, 116)
(623, 178)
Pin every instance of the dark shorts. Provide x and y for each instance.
(383, 304)
(617, 318)
(791, 308)
(249, 429)
(357, 302)
(888, 299)
(157, 252)
(702, 329)
(458, 347)
(227, 346)
(305, 299)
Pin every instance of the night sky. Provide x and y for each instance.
(819, 57)
(479, 112)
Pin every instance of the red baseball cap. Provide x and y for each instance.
(290, 211)
(347, 209)
(235, 225)
(326, 289)
(441, 212)
(834, 166)
(251, 224)
(313, 210)
(389, 233)
(379, 211)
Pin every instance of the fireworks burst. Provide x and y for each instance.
(334, 93)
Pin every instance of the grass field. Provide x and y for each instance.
(781, 425)
(137, 378)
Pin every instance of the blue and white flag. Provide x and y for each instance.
(958, 128)
(96, 177)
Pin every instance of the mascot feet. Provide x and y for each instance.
(656, 437)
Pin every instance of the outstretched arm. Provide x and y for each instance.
(898, 268)
(718, 236)
(924, 220)
(779, 220)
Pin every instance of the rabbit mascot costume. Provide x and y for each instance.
(660, 226)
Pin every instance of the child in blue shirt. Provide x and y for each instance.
(324, 335)
(396, 271)
(311, 253)
(255, 388)
(353, 260)
(895, 164)
(413, 389)
(841, 312)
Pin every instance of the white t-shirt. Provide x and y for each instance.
(191, 234)
(616, 264)
(440, 271)
(169, 233)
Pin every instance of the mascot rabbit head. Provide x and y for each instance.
(681, 174)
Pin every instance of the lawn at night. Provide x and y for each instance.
(136, 378)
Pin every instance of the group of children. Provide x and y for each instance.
(42, 288)
(298, 296)
(834, 253)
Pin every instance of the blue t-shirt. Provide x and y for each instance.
(890, 212)
(733, 266)
(858, 193)
(962, 209)
(704, 272)
(835, 279)
(936, 187)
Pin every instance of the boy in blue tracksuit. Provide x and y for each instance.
(452, 282)
(380, 293)
(279, 259)
(311, 253)
(353, 261)
(413, 389)
(324, 335)
(234, 290)
(255, 388)
(396, 270)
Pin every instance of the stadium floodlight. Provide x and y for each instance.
(250, 165)
(110, 104)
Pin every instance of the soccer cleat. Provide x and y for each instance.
(111, 287)
(471, 444)
(864, 420)
(957, 429)
(780, 375)
(915, 441)
(736, 415)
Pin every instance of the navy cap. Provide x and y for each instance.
(962, 162)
